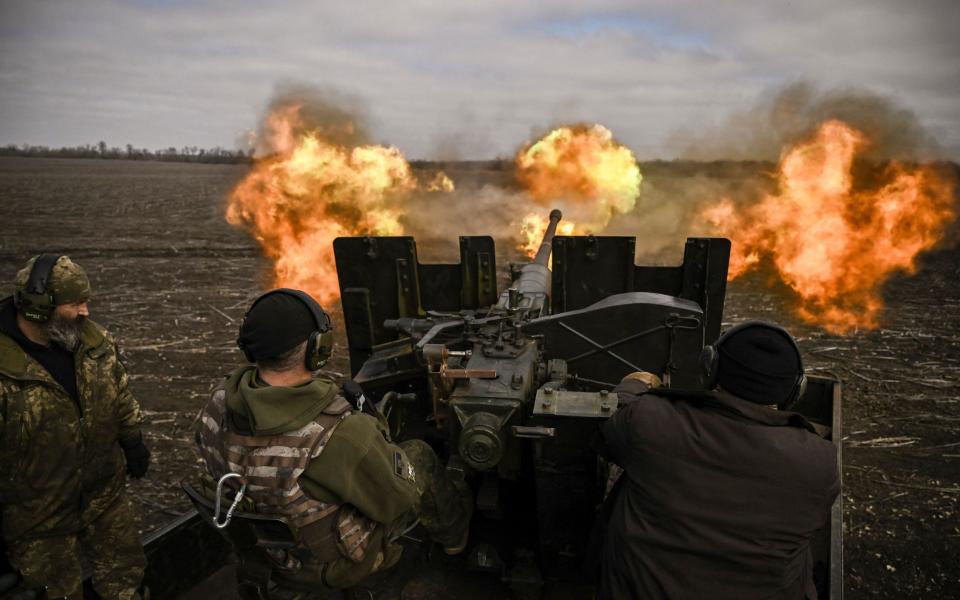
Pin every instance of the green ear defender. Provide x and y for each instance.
(319, 349)
(35, 301)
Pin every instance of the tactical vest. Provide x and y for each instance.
(271, 466)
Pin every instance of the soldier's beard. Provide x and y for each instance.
(65, 331)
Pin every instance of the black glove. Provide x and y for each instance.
(137, 455)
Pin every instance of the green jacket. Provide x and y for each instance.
(357, 464)
(59, 469)
(356, 467)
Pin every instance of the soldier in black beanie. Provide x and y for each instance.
(722, 490)
(756, 361)
(276, 325)
(325, 465)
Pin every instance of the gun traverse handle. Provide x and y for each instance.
(468, 373)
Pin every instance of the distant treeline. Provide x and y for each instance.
(101, 150)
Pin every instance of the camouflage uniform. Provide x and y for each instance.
(112, 545)
(444, 504)
(62, 471)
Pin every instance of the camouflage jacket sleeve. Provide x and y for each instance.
(360, 467)
(129, 416)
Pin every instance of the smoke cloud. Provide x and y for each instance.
(789, 114)
(489, 199)
(436, 220)
(737, 160)
(672, 195)
(336, 117)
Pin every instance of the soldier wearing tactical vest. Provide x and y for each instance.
(69, 435)
(305, 453)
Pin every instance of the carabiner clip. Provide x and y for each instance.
(236, 501)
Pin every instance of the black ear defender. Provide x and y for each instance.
(35, 301)
(710, 362)
(799, 389)
(319, 342)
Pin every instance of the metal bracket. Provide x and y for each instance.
(443, 379)
(533, 433)
(674, 322)
(605, 348)
(593, 248)
(371, 244)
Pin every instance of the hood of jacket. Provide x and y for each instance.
(272, 410)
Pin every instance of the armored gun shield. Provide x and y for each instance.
(477, 358)
(619, 316)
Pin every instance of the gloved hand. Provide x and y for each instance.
(648, 378)
(137, 456)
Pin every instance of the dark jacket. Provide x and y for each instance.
(719, 499)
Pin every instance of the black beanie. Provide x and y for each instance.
(759, 363)
(276, 323)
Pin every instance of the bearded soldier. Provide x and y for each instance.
(307, 454)
(69, 435)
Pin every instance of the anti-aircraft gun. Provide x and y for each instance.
(511, 386)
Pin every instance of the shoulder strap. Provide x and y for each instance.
(338, 406)
(354, 395)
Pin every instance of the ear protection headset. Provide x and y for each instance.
(35, 302)
(710, 361)
(320, 340)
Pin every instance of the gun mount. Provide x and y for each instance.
(510, 386)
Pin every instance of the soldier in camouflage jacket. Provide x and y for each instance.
(69, 435)
(307, 455)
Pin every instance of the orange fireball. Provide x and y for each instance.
(832, 242)
(311, 190)
(532, 228)
(440, 183)
(583, 171)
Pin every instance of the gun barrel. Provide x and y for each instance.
(534, 278)
(543, 254)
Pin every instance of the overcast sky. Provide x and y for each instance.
(440, 78)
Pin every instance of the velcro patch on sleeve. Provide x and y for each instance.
(398, 461)
(401, 467)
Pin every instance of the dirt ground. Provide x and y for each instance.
(172, 279)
